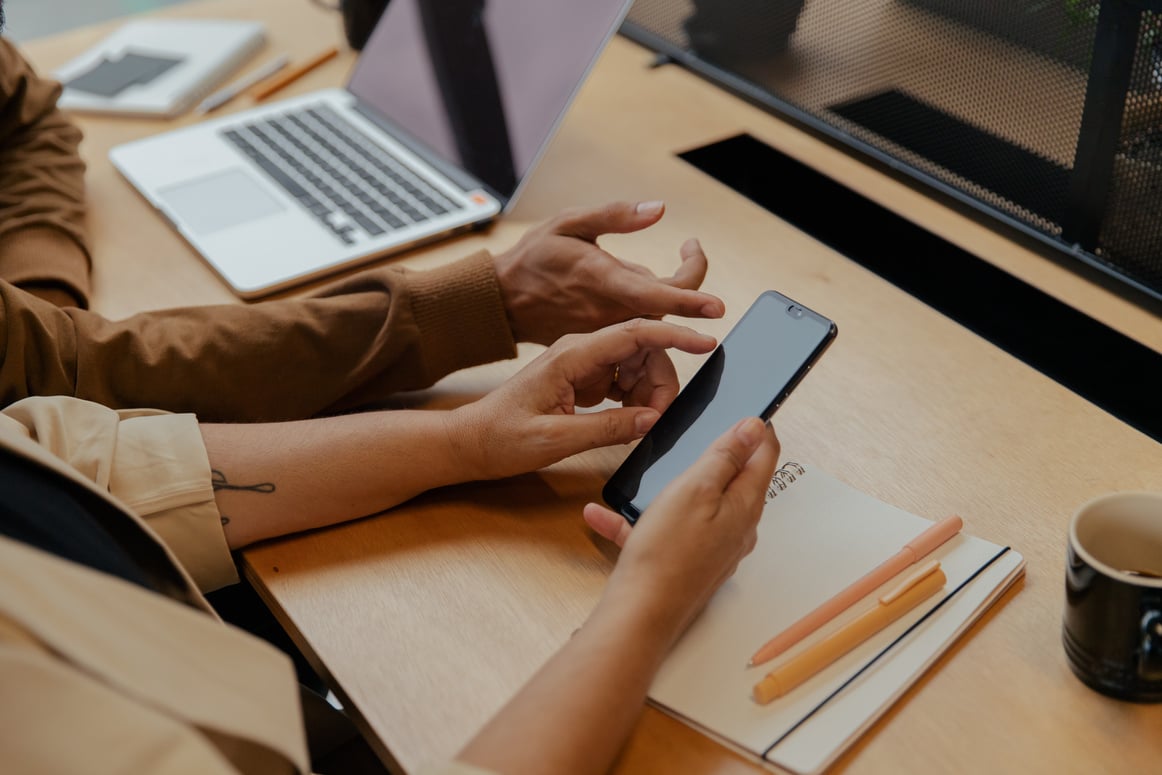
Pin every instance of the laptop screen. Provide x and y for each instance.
(483, 83)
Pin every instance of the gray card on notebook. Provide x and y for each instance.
(109, 77)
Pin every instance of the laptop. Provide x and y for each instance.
(448, 110)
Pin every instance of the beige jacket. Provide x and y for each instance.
(98, 675)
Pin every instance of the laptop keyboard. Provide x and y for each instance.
(348, 182)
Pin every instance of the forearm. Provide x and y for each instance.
(271, 479)
(351, 343)
(574, 715)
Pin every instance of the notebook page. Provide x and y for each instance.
(815, 538)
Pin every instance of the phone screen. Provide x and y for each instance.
(748, 375)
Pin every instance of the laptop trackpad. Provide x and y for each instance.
(219, 201)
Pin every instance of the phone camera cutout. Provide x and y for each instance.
(795, 311)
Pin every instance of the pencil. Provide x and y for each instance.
(278, 83)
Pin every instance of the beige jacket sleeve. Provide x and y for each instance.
(100, 676)
(41, 185)
(152, 462)
(48, 699)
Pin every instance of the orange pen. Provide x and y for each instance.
(922, 585)
(914, 551)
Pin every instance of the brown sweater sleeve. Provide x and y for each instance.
(349, 344)
(41, 185)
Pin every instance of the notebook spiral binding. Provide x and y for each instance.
(783, 477)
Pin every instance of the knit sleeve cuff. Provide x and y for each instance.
(44, 256)
(460, 314)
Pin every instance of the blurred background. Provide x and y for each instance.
(28, 19)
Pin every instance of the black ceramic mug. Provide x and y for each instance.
(1113, 596)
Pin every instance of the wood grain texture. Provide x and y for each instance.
(428, 618)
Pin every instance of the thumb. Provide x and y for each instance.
(727, 457)
(615, 218)
(607, 524)
(619, 425)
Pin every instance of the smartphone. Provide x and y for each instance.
(753, 370)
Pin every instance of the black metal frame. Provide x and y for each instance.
(1119, 21)
(1118, 26)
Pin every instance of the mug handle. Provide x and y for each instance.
(1150, 653)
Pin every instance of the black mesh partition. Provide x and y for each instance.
(1046, 114)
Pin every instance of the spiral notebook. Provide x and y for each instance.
(817, 535)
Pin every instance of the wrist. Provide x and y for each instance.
(467, 442)
(509, 297)
(644, 608)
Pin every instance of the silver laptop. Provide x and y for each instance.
(449, 108)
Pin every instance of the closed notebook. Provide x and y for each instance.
(157, 67)
(818, 535)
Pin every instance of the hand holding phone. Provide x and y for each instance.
(758, 364)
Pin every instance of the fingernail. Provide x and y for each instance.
(650, 208)
(691, 245)
(713, 309)
(644, 421)
(749, 431)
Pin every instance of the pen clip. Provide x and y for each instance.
(921, 574)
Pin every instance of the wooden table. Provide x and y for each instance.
(427, 619)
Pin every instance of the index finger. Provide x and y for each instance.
(609, 346)
(613, 218)
(651, 296)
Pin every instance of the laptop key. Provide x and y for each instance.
(368, 225)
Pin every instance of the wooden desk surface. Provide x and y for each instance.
(428, 618)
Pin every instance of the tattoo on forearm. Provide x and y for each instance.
(218, 479)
